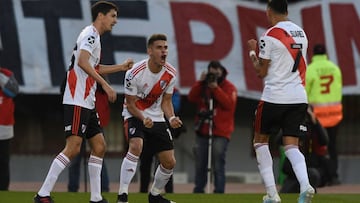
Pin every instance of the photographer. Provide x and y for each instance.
(213, 86)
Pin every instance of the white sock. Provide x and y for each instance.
(265, 165)
(127, 172)
(298, 164)
(94, 167)
(162, 176)
(57, 166)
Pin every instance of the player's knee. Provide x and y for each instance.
(169, 164)
(135, 149)
(99, 150)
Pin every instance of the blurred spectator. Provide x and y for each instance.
(8, 90)
(324, 89)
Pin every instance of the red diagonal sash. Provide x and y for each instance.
(155, 92)
(289, 42)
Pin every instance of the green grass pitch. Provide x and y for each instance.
(66, 197)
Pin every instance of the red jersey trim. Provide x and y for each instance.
(139, 68)
(155, 92)
(287, 40)
(72, 79)
(170, 68)
(89, 83)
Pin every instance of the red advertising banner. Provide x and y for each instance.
(37, 38)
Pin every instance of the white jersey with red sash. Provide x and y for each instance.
(285, 44)
(80, 87)
(149, 87)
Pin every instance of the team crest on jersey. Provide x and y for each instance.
(163, 84)
(91, 40)
(132, 131)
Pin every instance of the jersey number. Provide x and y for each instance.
(298, 56)
(326, 81)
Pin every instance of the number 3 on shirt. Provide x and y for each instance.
(326, 81)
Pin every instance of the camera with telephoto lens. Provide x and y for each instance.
(210, 77)
(203, 116)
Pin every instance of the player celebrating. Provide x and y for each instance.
(283, 104)
(149, 86)
(80, 117)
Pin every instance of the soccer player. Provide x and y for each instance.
(149, 86)
(80, 117)
(283, 105)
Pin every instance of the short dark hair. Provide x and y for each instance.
(279, 6)
(319, 49)
(156, 37)
(215, 64)
(102, 7)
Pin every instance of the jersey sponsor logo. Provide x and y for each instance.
(68, 128)
(296, 46)
(303, 128)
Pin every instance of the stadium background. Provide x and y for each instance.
(37, 37)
